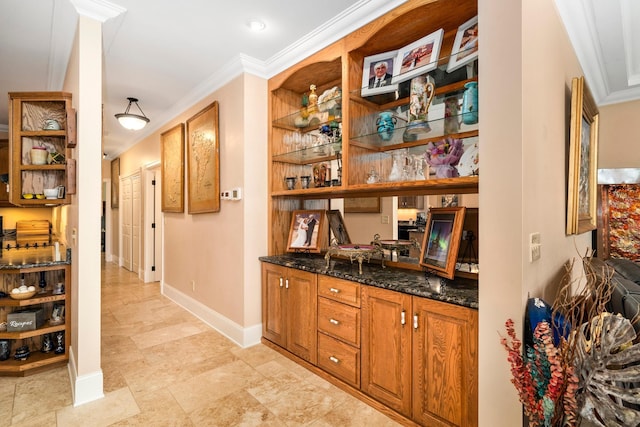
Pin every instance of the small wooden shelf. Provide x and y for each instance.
(37, 299)
(35, 361)
(33, 333)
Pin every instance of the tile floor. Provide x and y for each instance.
(164, 367)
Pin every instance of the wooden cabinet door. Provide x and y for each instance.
(386, 347)
(302, 314)
(273, 311)
(445, 364)
(4, 169)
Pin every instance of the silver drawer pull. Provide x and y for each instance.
(281, 282)
(334, 321)
(415, 321)
(403, 319)
(334, 359)
(334, 290)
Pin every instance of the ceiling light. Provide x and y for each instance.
(132, 121)
(256, 25)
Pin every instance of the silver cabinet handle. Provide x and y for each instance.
(334, 359)
(334, 321)
(415, 321)
(334, 290)
(281, 282)
(286, 284)
(403, 319)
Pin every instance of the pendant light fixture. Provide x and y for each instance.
(132, 121)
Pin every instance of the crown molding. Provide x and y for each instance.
(356, 16)
(100, 10)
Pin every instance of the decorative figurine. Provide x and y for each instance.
(422, 93)
(313, 100)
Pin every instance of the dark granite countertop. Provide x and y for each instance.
(11, 259)
(462, 292)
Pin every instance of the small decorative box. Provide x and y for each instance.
(25, 320)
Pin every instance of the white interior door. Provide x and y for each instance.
(126, 221)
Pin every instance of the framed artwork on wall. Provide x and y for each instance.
(418, 57)
(583, 160)
(377, 74)
(115, 182)
(305, 231)
(203, 161)
(362, 204)
(442, 240)
(465, 45)
(172, 170)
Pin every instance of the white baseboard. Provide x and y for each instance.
(85, 388)
(244, 337)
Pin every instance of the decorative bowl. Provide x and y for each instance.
(22, 295)
(51, 193)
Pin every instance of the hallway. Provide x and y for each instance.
(164, 367)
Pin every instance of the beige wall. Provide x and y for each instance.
(526, 68)
(213, 257)
(619, 130)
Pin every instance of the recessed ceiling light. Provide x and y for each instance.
(256, 25)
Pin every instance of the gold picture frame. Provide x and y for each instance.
(362, 204)
(115, 182)
(583, 160)
(306, 231)
(203, 161)
(441, 241)
(172, 169)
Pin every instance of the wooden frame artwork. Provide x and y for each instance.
(465, 45)
(203, 161)
(380, 61)
(306, 231)
(362, 204)
(418, 57)
(337, 227)
(172, 171)
(583, 160)
(115, 182)
(442, 240)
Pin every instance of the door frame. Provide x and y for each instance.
(152, 213)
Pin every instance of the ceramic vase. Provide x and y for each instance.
(386, 124)
(5, 349)
(470, 104)
(422, 92)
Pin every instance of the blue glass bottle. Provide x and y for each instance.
(470, 103)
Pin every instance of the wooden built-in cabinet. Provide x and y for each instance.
(48, 302)
(40, 119)
(289, 308)
(4, 172)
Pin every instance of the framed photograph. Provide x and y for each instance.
(449, 200)
(465, 45)
(172, 169)
(583, 160)
(115, 182)
(442, 240)
(203, 161)
(61, 192)
(305, 231)
(418, 58)
(362, 204)
(337, 227)
(377, 74)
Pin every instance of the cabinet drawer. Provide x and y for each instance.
(339, 359)
(339, 290)
(339, 320)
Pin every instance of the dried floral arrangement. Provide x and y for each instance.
(590, 373)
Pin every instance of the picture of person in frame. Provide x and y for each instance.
(381, 75)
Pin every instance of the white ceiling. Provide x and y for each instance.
(171, 54)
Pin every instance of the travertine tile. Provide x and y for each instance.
(235, 409)
(166, 334)
(114, 407)
(158, 408)
(40, 394)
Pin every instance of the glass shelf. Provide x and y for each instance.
(308, 155)
(434, 130)
(327, 112)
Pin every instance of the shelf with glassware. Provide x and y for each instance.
(41, 133)
(394, 144)
(34, 333)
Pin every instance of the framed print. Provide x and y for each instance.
(465, 45)
(172, 170)
(203, 161)
(337, 227)
(305, 231)
(583, 160)
(362, 204)
(418, 58)
(115, 182)
(442, 240)
(377, 74)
